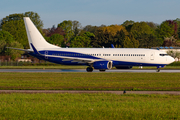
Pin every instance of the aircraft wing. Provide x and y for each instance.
(65, 58)
(79, 60)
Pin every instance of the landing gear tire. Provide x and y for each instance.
(102, 70)
(89, 69)
(158, 70)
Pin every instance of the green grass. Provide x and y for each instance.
(90, 81)
(97, 106)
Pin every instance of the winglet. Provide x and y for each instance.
(112, 46)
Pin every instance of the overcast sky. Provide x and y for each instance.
(94, 12)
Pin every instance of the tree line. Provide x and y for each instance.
(70, 33)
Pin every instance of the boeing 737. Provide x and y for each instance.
(95, 58)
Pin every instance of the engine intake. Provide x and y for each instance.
(102, 65)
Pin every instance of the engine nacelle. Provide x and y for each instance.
(102, 65)
(123, 67)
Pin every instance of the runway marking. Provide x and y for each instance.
(80, 91)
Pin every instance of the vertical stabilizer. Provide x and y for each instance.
(35, 37)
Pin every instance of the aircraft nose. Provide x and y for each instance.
(171, 59)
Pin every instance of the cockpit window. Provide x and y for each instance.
(163, 54)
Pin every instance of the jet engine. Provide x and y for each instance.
(102, 65)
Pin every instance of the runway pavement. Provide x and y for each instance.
(79, 91)
(83, 70)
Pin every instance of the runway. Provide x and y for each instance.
(83, 70)
(80, 92)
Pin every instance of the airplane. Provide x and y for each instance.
(95, 58)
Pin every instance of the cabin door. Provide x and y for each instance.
(152, 56)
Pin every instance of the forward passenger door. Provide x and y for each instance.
(152, 56)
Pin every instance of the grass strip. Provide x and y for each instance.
(90, 81)
(97, 106)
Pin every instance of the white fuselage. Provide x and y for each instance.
(128, 55)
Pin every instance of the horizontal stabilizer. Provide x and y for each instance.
(26, 50)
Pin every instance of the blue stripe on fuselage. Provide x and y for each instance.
(69, 54)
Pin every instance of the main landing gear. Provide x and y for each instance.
(89, 69)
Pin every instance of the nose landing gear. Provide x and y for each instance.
(158, 68)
